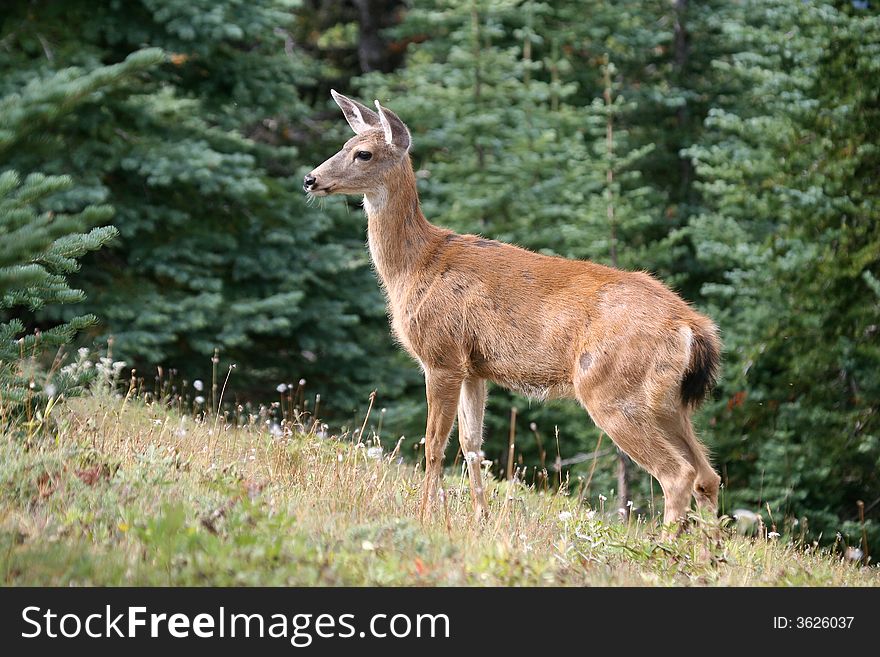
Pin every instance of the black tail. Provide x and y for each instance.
(702, 373)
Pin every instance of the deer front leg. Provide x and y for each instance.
(442, 390)
(471, 408)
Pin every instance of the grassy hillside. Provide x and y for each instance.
(130, 493)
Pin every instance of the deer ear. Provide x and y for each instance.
(360, 117)
(396, 132)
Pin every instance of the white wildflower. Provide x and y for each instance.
(374, 453)
(565, 516)
(199, 400)
(282, 387)
(854, 554)
(367, 546)
(198, 385)
(773, 535)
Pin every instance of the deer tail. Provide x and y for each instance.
(704, 349)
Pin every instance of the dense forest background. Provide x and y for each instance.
(730, 147)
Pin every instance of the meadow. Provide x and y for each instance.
(127, 490)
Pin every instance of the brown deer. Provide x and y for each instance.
(472, 310)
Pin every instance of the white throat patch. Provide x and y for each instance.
(376, 201)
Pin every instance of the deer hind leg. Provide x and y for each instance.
(707, 481)
(442, 390)
(646, 439)
(471, 407)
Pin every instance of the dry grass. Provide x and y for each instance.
(125, 492)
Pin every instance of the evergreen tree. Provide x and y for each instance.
(217, 248)
(788, 173)
(40, 248)
(48, 224)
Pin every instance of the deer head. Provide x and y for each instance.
(380, 143)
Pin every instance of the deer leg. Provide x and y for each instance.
(646, 439)
(442, 390)
(706, 480)
(471, 407)
(659, 453)
(677, 484)
(643, 416)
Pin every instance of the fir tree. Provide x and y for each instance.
(40, 248)
(217, 248)
(48, 224)
(787, 171)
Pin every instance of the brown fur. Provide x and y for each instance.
(469, 309)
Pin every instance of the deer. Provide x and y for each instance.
(471, 310)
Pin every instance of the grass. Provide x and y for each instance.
(124, 492)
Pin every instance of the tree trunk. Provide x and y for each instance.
(372, 50)
(683, 114)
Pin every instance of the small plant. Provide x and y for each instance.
(39, 249)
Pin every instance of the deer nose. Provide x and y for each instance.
(309, 182)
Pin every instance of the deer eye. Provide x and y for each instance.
(363, 155)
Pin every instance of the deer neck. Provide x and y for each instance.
(397, 231)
